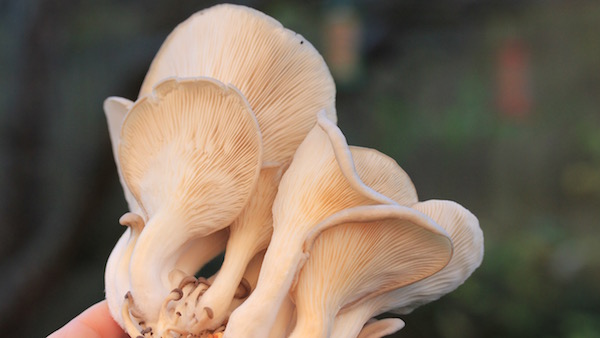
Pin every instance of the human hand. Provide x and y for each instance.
(95, 322)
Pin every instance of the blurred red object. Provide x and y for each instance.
(514, 97)
(343, 29)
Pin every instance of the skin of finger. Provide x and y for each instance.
(95, 322)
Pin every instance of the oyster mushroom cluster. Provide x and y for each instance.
(232, 145)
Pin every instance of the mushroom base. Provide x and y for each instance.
(177, 317)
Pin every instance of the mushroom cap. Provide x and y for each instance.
(115, 109)
(323, 180)
(318, 184)
(190, 153)
(383, 174)
(192, 147)
(284, 78)
(467, 240)
(386, 248)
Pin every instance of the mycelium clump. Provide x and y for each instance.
(232, 145)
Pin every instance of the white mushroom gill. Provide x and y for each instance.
(233, 145)
(190, 154)
(284, 78)
(356, 261)
(115, 109)
(467, 239)
(321, 181)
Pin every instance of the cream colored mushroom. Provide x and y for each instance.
(190, 153)
(193, 255)
(115, 109)
(467, 238)
(281, 74)
(371, 250)
(322, 180)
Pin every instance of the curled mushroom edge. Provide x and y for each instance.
(232, 146)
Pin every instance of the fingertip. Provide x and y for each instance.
(95, 322)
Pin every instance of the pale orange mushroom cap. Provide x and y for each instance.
(284, 78)
(467, 239)
(115, 109)
(194, 146)
(353, 262)
(323, 179)
(190, 153)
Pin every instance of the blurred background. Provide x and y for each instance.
(492, 103)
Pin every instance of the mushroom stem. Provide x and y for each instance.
(380, 328)
(196, 253)
(154, 257)
(256, 316)
(249, 234)
(286, 319)
(117, 276)
(349, 323)
(220, 294)
(314, 323)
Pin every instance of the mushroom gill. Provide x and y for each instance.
(467, 239)
(286, 83)
(390, 247)
(233, 145)
(322, 180)
(190, 153)
(284, 78)
(115, 109)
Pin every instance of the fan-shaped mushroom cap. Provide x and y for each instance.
(353, 262)
(281, 74)
(322, 180)
(116, 277)
(467, 240)
(115, 109)
(190, 154)
(249, 234)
